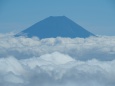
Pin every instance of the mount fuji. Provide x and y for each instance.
(55, 26)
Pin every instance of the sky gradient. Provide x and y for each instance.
(97, 16)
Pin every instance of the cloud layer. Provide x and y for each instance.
(57, 61)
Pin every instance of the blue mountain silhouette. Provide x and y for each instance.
(56, 26)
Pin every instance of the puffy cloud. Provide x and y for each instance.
(101, 48)
(57, 61)
(49, 72)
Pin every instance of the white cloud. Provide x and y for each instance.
(101, 48)
(57, 61)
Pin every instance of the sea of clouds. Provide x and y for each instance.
(57, 61)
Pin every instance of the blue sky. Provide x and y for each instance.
(97, 16)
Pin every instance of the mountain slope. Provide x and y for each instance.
(59, 26)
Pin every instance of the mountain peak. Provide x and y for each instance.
(56, 26)
(57, 17)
